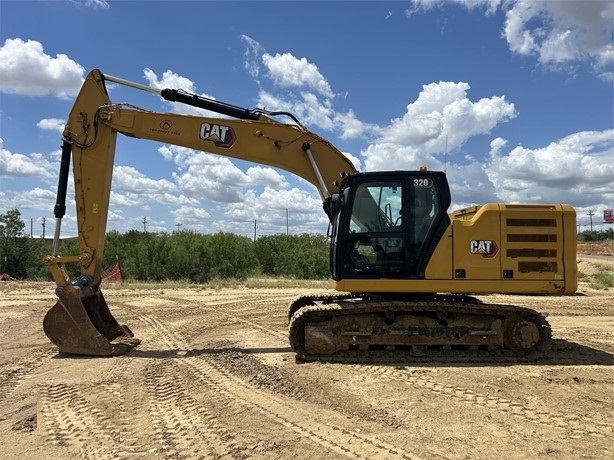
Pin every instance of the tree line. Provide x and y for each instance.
(181, 255)
(185, 255)
(595, 236)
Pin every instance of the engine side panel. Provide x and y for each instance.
(516, 242)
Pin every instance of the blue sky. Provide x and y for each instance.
(514, 99)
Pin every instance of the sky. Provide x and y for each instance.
(514, 99)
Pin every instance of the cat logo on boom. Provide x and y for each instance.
(487, 248)
(220, 135)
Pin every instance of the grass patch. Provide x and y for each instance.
(222, 283)
(169, 285)
(602, 279)
(285, 283)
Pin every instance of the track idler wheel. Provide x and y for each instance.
(84, 325)
(520, 334)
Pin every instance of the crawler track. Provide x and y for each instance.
(441, 328)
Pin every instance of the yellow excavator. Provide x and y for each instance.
(406, 270)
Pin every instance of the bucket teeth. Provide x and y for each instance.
(84, 325)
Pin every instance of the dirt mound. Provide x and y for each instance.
(600, 248)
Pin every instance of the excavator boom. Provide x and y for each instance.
(81, 322)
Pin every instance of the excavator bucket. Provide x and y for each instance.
(84, 325)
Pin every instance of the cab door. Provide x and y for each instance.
(385, 226)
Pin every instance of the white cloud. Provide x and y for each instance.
(578, 168)
(18, 165)
(561, 31)
(441, 115)
(252, 54)
(52, 124)
(418, 6)
(288, 71)
(211, 177)
(260, 175)
(469, 185)
(354, 160)
(306, 107)
(315, 112)
(214, 177)
(351, 127)
(190, 215)
(128, 179)
(558, 33)
(26, 70)
(309, 96)
(169, 80)
(273, 209)
(36, 199)
(102, 4)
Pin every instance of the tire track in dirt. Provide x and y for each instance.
(241, 306)
(222, 388)
(578, 426)
(70, 419)
(13, 375)
(181, 425)
(105, 422)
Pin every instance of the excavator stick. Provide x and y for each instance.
(84, 325)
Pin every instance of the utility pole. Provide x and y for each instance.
(591, 213)
(178, 225)
(287, 228)
(255, 226)
(43, 224)
(145, 224)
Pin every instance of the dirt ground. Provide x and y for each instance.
(215, 378)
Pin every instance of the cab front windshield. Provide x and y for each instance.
(377, 207)
(389, 224)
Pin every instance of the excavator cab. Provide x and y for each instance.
(387, 224)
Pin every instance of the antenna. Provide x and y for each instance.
(445, 156)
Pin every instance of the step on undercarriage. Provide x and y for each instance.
(446, 328)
